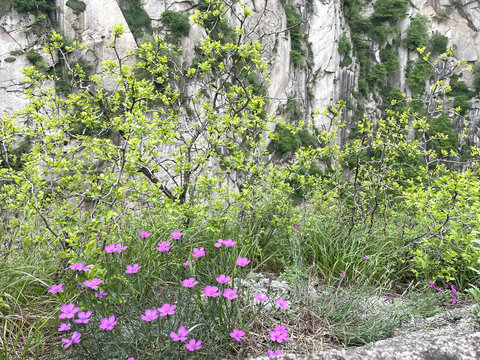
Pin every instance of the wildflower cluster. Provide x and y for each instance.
(218, 294)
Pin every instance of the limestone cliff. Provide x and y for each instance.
(307, 71)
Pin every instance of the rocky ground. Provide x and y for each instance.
(446, 336)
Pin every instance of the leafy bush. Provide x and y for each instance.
(344, 45)
(286, 141)
(389, 10)
(10, 59)
(389, 60)
(444, 139)
(438, 43)
(33, 56)
(294, 21)
(137, 19)
(77, 5)
(476, 80)
(347, 60)
(378, 74)
(31, 5)
(417, 75)
(417, 33)
(16, 52)
(178, 23)
(461, 102)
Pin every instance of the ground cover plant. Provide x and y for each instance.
(130, 218)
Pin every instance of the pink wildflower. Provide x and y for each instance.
(451, 286)
(296, 226)
(388, 299)
(188, 263)
(198, 253)
(64, 327)
(279, 334)
(92, 284)
(133, 269)
(218, 243)
(80, 267)
(282, 304)
(229, 242)
(454, 300)
(230, 294)
(237, 335)
(211, 291)
(144, 234)
(222, 279)
(108, 323)
(275, 353)
(242, 261)
(167, 309)
(365, 258)
(68, 311)
(120, 248)
(74, 340)
(55, 288)
(193, 345)
(110, 248)
(189, 282)
(181, 336)
(433, 286)
(150, 314)
(176, 235)
(164, 246)
(101, 294)
(83, 317)
(261, 298)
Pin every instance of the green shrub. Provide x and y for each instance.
(417, 33)
(344, 45)
(459, 88)
(16, 52)
(442, 127)
(389, 10)
(476, 80)
(33, 56)
(178, 23)
(31, 5)
(389, 60)
(379, 73)
(286, 142)
(438, 43)
(462, 103)
(294, 21)
(10, 59)
(347, 60)
(137, 19)
(77, 5)
(417, 75)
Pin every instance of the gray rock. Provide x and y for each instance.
(446, 336)
(455, 348)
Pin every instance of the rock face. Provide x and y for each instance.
(443, 348)
(446, 336)
(19, 34)
(319, 80)
(14, 42)
(94, 26)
